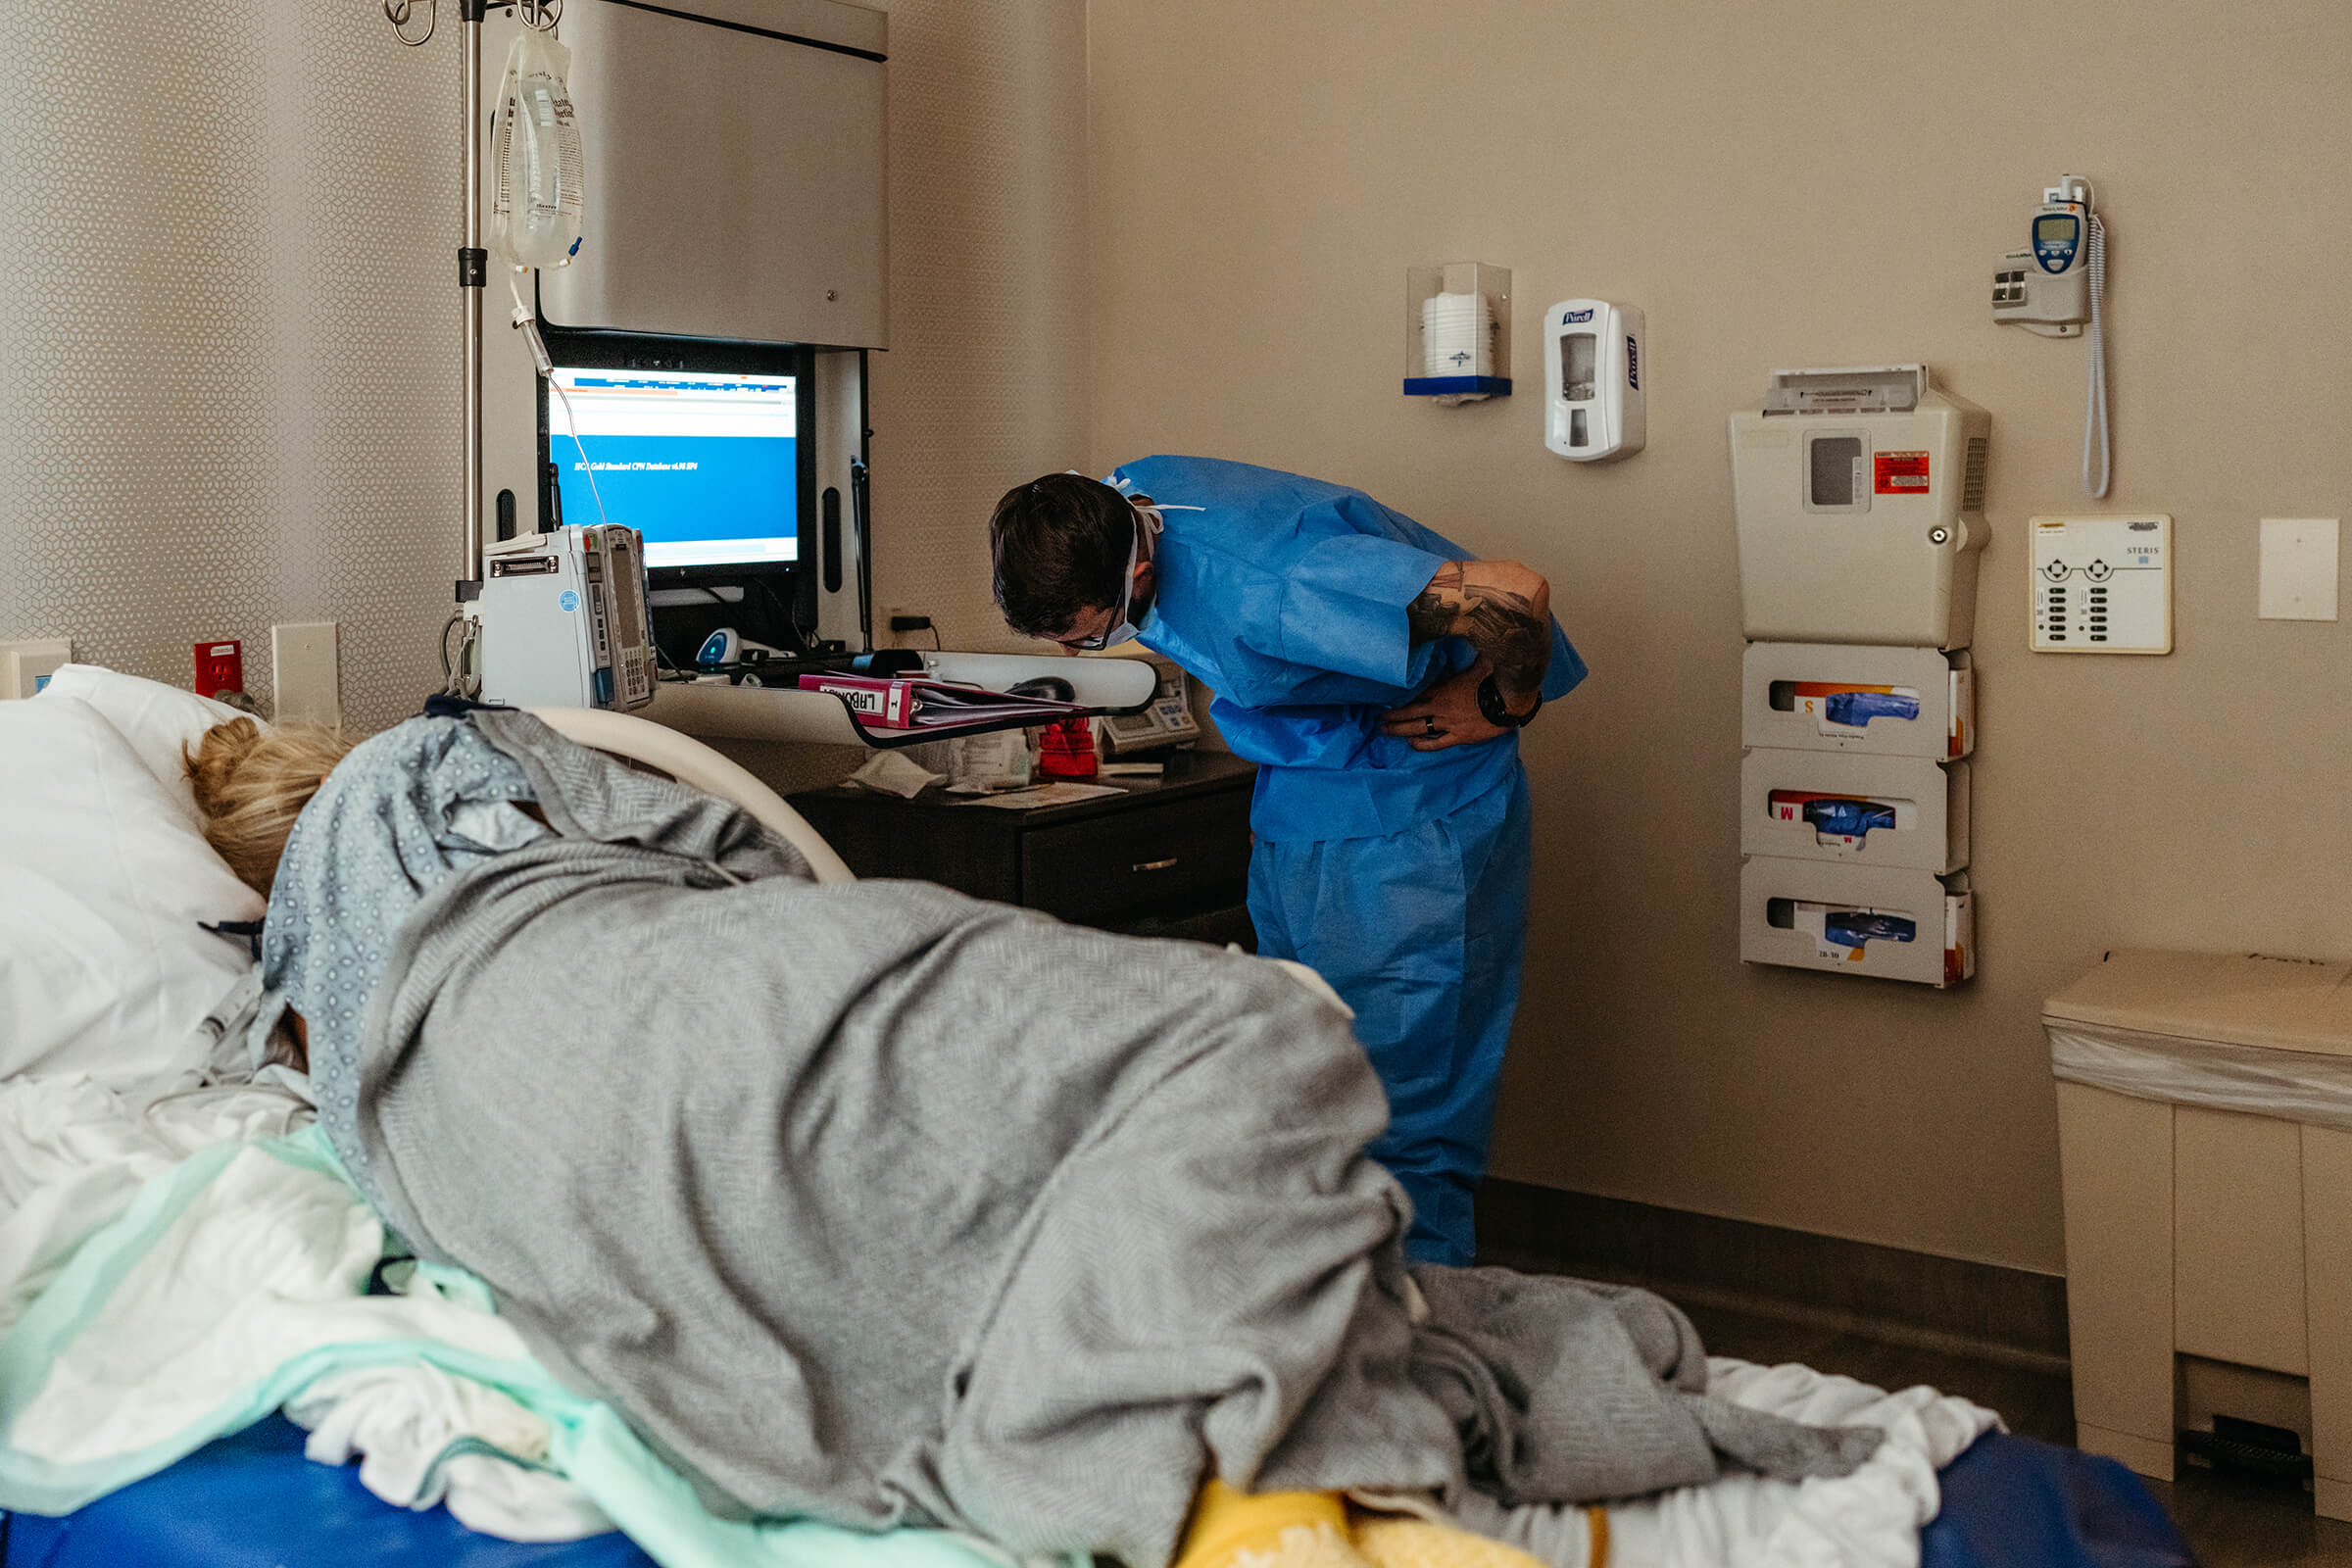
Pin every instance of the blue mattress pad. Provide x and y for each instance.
(252, 1501)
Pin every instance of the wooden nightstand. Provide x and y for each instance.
(1167, 857)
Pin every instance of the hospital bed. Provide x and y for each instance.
(252, 1500)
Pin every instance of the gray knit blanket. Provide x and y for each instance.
(879, 1204)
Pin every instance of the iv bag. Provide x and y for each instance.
(536, 172)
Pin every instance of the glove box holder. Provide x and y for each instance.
(1845, 919)
(1829, 697)
(1816, 805)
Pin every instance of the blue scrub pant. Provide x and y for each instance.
(1422, 933)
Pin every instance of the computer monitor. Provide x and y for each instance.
(705, 464)
(708, 448)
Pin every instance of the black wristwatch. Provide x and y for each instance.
(1498, 713)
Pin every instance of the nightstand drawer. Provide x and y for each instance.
(1155, 860)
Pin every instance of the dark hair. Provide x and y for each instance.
(1060, 545)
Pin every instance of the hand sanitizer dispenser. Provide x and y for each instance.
(1860, 497)
(1592, 401)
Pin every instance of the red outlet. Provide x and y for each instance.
(220, 667)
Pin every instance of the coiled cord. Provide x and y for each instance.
(2095, 453)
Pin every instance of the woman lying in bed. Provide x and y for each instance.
(877, 1203)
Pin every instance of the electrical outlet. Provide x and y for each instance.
(220, 667)
(307, 672)
(25, 666)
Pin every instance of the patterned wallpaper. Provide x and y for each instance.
(228, 336)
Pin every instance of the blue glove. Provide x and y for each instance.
(1853, 927)
(1860, 708)
(1854, 818)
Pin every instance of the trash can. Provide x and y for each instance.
(2205, 1134)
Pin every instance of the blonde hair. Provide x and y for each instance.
(251, 783)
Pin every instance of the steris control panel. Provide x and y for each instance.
(2102, 585)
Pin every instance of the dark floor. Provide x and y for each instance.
(2232, 1524)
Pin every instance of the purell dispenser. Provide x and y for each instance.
(1859, 496)
(1593, 406)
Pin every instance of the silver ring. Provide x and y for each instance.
(1429, 723)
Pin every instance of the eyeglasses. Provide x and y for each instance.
(1100, 640)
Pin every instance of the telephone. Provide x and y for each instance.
(2053, 287)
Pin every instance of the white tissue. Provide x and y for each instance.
(894, 774)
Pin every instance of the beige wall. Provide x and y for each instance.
(1781, 185)
(985, 384)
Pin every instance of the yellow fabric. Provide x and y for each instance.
(1389, 1541)
(1227, 1523)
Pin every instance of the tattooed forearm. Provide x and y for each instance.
(1483, 603)
(1505, 628)
(1433, 613)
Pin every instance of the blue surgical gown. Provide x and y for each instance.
(1400, 876)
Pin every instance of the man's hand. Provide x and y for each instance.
(1447, 714)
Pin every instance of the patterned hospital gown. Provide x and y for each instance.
(403, 813)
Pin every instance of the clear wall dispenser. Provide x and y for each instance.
(1457, 331)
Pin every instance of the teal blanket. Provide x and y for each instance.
(237, 1279)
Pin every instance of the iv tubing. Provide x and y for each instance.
(529, 320)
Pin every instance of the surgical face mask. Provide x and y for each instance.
(1121, 629)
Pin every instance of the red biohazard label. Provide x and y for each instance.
(1902, 474)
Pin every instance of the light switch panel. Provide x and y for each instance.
(25, 666)
(305, 673)
(2298, 568)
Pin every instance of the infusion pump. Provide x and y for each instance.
(564, 620)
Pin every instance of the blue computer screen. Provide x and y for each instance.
(705, 464)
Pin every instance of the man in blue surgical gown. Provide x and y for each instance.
(1379, 675)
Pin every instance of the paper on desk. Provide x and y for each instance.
(1062, 794)
(894, 774)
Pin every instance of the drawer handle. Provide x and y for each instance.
(1156, 865)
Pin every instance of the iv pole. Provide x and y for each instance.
(474, 275)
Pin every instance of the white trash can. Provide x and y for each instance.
(2205, 1132)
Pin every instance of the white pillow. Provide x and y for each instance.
(103, 878)
(154, 718)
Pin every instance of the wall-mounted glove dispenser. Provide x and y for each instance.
(1860, 499)
(1884, 922)
(1831, 696)
(1906, 811)
(1457, 331)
